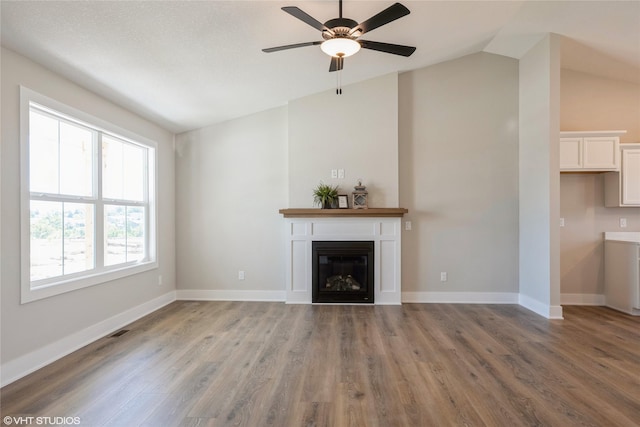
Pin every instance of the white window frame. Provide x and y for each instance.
(33, 291)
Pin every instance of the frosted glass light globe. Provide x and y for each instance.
(340, 47)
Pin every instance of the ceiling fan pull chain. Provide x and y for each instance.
(339, 66)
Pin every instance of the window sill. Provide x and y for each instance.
(30, 294)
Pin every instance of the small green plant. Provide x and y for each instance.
(325, 195)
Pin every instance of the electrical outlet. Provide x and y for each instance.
(159, 279)
(623, 222)
(443, 276)
(340, 173)
(334, 173)
(407, 225)
(561, 222)
(241, 275)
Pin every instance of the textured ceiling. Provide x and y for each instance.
(188, 64)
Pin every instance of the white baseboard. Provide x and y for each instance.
(582, 299)
(229, 295)
(550, 312)
(544, 310)
(24, 365)
(555, 312)
(460, 297)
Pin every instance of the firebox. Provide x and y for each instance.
(342, 272)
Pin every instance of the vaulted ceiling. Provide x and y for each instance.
(188, 64)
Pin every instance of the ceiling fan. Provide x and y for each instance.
(342, 35)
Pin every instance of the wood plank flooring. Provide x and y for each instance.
(271, 364)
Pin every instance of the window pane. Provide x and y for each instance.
(123, 166)
(46, 239)
(135, 233)
(112, 176)
(115, 228)
(79, 239)
(133, 172)
(43, 153)
(125, 234)
(76, 160)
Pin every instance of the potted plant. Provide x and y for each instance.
(325, 195)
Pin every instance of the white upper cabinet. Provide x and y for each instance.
(623, 188)
(590, 151)
(571, 153)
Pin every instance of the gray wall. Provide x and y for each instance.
(231, 179)
(356, 131)
(29, 327)
(539, 125)
(454, 165)
(459, 175)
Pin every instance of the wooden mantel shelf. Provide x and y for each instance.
(335, 213)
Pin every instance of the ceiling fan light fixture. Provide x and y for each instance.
(340, 47)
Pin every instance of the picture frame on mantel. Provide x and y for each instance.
(343, 201)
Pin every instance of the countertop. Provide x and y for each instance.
(624, 236)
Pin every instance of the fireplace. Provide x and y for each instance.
(382, 226)
(342, 272)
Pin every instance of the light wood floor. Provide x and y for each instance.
(271, 364)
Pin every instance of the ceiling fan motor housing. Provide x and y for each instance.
(340, 28)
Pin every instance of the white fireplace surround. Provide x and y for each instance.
(384, 232)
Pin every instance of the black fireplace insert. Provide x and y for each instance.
(342, 272)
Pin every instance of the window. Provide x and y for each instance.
(88, 199)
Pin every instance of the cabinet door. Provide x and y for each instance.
(601, 153)
(631, 176)
(570, 153)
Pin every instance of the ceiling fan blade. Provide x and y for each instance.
(290, 46)
(396, 49)
(306, 18)
(336, 64)
(390, 14)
